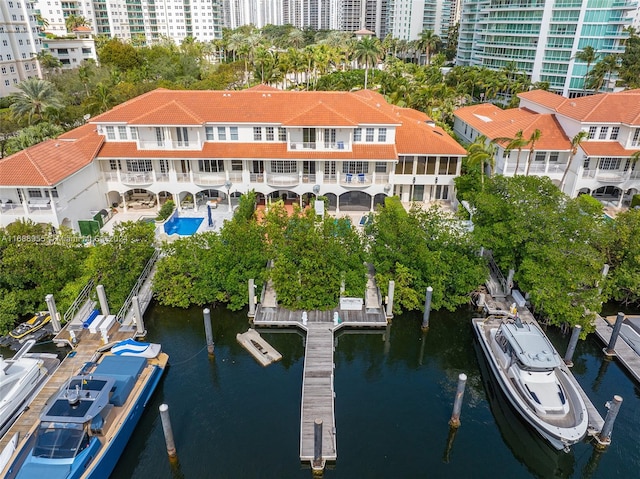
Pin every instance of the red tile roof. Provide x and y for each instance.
(621, 107)
(494, 123)
(49, 162)
(234, 149)
(605, 148)
(253, 106)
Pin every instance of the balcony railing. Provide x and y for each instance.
(162, 177)
(209, 179)
(611, 175)
(308, 178)
(283, 179)
(256, 177)
(169, 145)
(355, 179)
(183, 177)
(136, 178)
(318, 145)
(547, 168)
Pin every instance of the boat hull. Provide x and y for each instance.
(559, 437)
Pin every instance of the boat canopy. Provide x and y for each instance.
(81, 399)
(531, 347)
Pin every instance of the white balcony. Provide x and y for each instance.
(319, 145)
(283, 179)
(169, 145)
(140, 178)
(209, 179)
(611, 175)
(355, 179)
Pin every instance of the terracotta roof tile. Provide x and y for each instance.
(621, 107)
(49, 162)
(494, 123)
(173, 113)
(365, 151)
(319, 115)
(605, 148)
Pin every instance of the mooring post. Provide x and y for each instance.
(317, 444)
(575, 335)
(207, 330)
(102, 297)
(604, 437)
(252, 294)
(387, 339)
(427, 308)
(137, 312)
(457, 404)
(53, 312)
(392, 287)
(168, 431)
(610, 351)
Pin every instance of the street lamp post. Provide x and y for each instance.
(316, 190)
(228, 185)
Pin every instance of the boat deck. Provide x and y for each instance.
(84, 351)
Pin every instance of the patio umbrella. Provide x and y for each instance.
(209, 214)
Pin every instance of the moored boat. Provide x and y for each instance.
(21, 377)
(86, 424)
(37, 322)
(533, 377)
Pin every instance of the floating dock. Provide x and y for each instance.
(264, 353)
(625, 354)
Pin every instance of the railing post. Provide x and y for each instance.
(575, 335)
(137, 311)
(102, 297)
(604, 437)
(53, 312)
(610, 349)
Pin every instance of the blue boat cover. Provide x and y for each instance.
(125, 371)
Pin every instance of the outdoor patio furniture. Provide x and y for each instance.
(361, 177)
(348, 177)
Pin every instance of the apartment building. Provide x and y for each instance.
(541, 38)
(142, 20)
(72, 50)
(201, 146)
(604, 165)
(19, 43)
(408, 18)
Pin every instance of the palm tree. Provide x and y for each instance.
(73, 21)
(296, 38)
(368, 51)
(427, 41)
(535, 136)
(518, 142)
(575, 143)
(48, 62)
(35, 96)
(587, 55)
(42, 22)
(101, 99)
(480, 153)
(602, 72)
(235, 43)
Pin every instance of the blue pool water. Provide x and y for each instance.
(182, 226)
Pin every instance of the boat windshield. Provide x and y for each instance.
(60, 440)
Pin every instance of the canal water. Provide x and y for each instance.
(234, 419)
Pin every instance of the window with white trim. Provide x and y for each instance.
(382, 135)
(269, 133)
(615, 131)
(284, 166)
(122, 133)
(183, 136)
(115, 165)
(236, 165)
(211, 166)
(592, 132)
(553, 156)
(134, 132)
(604, 131)
(111, 133)
(282, 134)
(233, 133)
(139, 166)
(381, 167)
(222, 133)
(355, 167)
(540, 156)
(369, 137)
(329, 136)
(608, 163)
(357, 134)
(34, 193)
(257, 133)
(159, 136)
(209, 133)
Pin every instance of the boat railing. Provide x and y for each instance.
(495, 272)
(79, 302)
(135, 291)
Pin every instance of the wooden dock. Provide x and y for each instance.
(84, 351)
(262, 351)
(317, 383)
(625, 354)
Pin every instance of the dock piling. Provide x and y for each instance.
(53, 312)
(102, 298)
(137, 311)
(575, 335)
(168, 431)
(392, 286)
(457, 405)
(604, 438)
(317, 445)
(207, 330)
(610, 349)
(252, 303)
(427, 308)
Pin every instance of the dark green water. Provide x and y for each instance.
(235, 419)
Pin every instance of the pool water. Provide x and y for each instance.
(182, 226)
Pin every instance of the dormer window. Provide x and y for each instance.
(357, 134)
(111, 133)
(122, 132)
(182, 136)
(369, 137)
(257, 133)
(382, 135)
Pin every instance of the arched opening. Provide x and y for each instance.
(139, 199)
(355, 201)
(584, 191)
(607, 193)
(378, 200)
(333, 201)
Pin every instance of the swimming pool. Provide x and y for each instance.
(182, 226)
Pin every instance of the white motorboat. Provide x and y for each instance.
(533, 377)
(20, 379)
